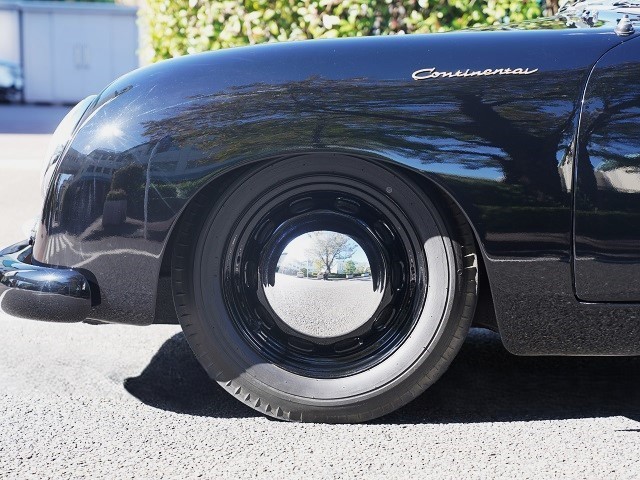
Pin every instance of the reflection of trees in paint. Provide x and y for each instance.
(500, 143)
(513, 130)
(609, 152)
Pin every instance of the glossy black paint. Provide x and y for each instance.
(607, 221)
(502, 146)
(40, 293)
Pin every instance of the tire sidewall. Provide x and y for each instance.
(413, 366)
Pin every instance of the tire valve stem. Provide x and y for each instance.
(389, 190)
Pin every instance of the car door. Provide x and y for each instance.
(607, 193)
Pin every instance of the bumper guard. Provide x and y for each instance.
(41, 293)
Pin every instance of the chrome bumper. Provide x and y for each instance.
(41, 293)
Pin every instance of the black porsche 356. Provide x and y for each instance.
(327, 219)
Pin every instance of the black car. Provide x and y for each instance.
(489, 177)
(11, 82)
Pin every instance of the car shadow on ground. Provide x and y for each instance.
(484, 384)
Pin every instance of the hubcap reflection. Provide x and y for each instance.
(323, 287)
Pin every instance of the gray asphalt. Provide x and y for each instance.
(33, 119)
(323, 308)
(82, 401)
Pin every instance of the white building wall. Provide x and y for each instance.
(69, 50)
(10, 35)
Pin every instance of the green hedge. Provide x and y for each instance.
(178, 27)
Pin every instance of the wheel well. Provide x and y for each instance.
(485, 313)
(165, 311)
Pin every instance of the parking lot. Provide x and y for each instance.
(132, 402)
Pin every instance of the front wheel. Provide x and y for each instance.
(323, 288)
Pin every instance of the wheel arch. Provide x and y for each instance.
(485, 315)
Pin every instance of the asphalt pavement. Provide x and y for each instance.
(323, 308)
(82, 401)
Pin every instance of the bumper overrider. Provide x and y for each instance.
(38, 292)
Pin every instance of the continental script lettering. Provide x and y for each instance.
(427, 73)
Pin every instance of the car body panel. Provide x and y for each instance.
(607, 220)
(41, 293)
(501, 145)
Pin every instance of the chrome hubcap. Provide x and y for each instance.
(323, 290)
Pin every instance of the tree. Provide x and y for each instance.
(550, 7)
(326, 247)
(349, 267)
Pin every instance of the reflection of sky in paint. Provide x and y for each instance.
(296, 250)
(462, 171)
(454, 157)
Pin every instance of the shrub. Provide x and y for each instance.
(164, 190)
(129, 178)
(115, 195)
(179, 27)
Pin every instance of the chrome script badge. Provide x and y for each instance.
(427, 73)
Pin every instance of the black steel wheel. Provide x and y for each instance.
(377, 323)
